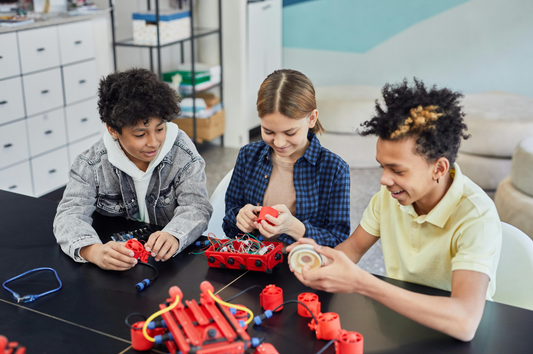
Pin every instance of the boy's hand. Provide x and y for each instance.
(111, 256)
(247, 217)
(162, 245)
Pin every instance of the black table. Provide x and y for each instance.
(87, 315)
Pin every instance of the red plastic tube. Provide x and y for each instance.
(349, 343)
(266, 211)
(271, 297)
(311, 300)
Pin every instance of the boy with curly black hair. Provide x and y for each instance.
(437, 227)
(143, 168)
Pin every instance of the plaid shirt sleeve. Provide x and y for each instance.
(235, 197)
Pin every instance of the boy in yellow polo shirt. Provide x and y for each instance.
(438, 228)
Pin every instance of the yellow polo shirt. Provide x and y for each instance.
(463, 231)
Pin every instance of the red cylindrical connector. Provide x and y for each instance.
(311, 301)
(349, 343)
(329, 325)
(266, 211)
(271, 297)
(3, 344)
(138, 341)
(266, 348)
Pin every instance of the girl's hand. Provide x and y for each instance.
(247, 217)
(285, 223)
(111, 256)
(162, 245)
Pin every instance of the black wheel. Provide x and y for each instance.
(222, 265)
(268, 271)
(211, 259)
(242, 267)
(231, 261)
(258, 263)
(277, 257)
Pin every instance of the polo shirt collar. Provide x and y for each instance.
(311, 153)
(440, 214)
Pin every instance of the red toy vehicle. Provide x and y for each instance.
(232, 255)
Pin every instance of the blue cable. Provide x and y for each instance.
(29, 298)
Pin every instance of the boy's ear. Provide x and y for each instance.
(113, 132)
(442, 166)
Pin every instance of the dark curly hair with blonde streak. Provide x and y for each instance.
(134, 95)
(437, 137)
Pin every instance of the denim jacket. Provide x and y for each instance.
(176, 197)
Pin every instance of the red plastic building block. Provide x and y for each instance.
(267, 211)
(138, 250)
(328, 327)
(7, 347)
(202, 328)
(266, 348)
(349, 343)
(271, 297)
(311, 300)
(217, 258)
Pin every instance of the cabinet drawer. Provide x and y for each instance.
(46, 131)
(83, 120)
(13, 143)
(50, 171)
(43, 91)
(76, 41)
(77, 148)
(17, 179)
(39, 49)
(9, 55)
(80, 81)
(11, 102)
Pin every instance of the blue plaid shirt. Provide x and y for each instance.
(321, 182)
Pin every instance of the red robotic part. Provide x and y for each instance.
(7, 347)
(138, 341)
(311, 301)
(271, 297)
(267, 211)
(241, 315)
(349, 343)
(328, 327)
(138, 250)
(266, 348)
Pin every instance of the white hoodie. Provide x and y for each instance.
(141, 179)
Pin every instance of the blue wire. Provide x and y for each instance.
(29, 298)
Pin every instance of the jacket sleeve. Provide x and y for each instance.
(194, 210)
(235, 197)
(336, 228)
(73, 221)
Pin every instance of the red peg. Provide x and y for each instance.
(266, 211)
(3, 344)
(271, 297)
(266, 348)
(349, 343)
(311, 300)
(329, 325)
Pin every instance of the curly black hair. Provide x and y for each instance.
(135, 94)
(438, 138)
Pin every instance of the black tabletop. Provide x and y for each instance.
(87, 314)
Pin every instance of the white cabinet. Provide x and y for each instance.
(263, 49)
(46, 103)
(39, 49)
(13, 143)
(17, 179)
(11, 101)
(9, 55)
(77, 148)
(43, 91)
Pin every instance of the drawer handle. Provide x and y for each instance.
(82, 81)
(44, 91)
(266, 7)
(8, 145)
(84, 119)
(3, 102)
(41, 49)
(12, 187)
(1, 57)
(52, 171)
(77, 42)
(48, 132)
